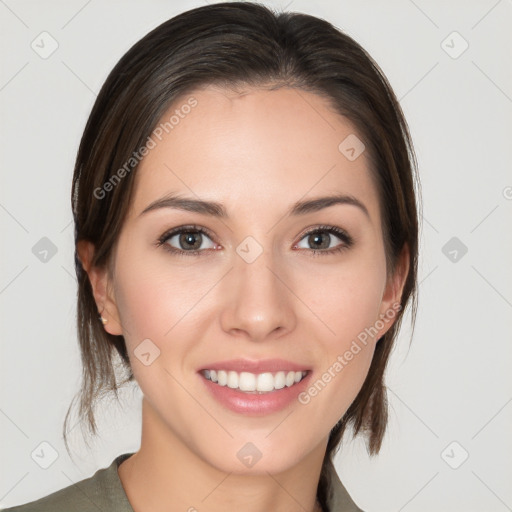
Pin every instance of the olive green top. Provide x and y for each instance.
(104, 491)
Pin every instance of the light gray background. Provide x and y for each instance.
(452, 384)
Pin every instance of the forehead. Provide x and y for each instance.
(252, 150)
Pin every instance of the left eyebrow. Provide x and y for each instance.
(215, 209)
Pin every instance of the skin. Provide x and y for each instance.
(257, 152)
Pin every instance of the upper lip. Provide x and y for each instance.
(256, 366)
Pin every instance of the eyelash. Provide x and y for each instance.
(340, 233)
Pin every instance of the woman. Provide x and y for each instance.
(246, 241)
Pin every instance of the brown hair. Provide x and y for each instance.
(236, 44)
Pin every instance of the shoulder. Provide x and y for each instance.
(101, 491)
(76, 497)
(340, 500)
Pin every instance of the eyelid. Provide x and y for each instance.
(339, 232)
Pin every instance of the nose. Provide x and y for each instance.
(257, 302)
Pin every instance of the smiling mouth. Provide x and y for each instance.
(256, 383)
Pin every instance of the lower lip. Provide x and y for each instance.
(254, 403)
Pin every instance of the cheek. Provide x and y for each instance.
(348, 300)
(140, 300)
(345, 359)
(154, 305)
(348, 305)
(159, 301)
(144, 292)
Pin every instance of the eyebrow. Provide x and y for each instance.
(215, 209)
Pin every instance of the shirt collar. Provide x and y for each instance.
(338, 501)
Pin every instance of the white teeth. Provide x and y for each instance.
(290, 378)
(222, 377)
(279, 380)
(247, 381)
(250, 382)
(265, 382)
(232, 380)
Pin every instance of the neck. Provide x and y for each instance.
(165, 475)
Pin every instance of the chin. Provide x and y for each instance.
(256, 458)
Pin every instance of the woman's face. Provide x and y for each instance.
(244, 293)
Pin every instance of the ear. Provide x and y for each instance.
(391, 299)
(102, 288)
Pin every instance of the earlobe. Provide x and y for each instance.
(102, 289)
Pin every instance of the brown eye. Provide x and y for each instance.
(320, 240)
(186, 240)
(189, 240)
